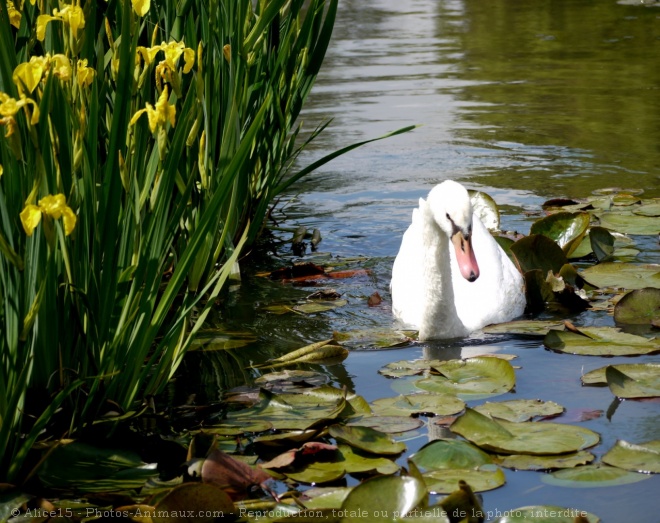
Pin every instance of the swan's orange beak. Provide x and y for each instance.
(467, 263)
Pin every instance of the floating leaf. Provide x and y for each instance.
(520, 410)
(522, 438)
(627, 275)
(525, 327)
(204, 500)
(324, 497)
(648, 209)
(399, 369)
(537, 251)
(565, 228)
(480, 479)
(562, 461)
(376, 338)
(630, 223)
(545, 514)
(639, 307)
(444, 454)
(471, 378)
(366, 439)
(289, 457)
(316, 306)
(378, 499)
(239, 428)
(231, 475)
(290, 380)
(602, 242)
(388, 424)
(313, 353)
(627, 387)
(644, 457)
(599, 341)
(591, 476)
(486, 209)
(421, 403)
(636, 371)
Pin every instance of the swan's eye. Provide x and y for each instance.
(448, 217)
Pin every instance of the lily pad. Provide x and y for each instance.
(239, 428)
(638, 371)
(599, 341)
(402, 368)
(545, 514)
(447, 454)
(324, 497)
(624, 386)
(367, 439)
(522, 438)
(602, 242)
(537, 251)
(565, 228)
(562, 461)
(471, 378)
(639, 307)
(648, 209)
(314, 353)
(376, 338)
(627, 275)
(637, 458)
(480, 479)
(199, 498)
(591, 476)
(524, 327)
(630, 223)
(520, 410)
(486, 209)
(381, 499)
(423, 403)
(388, 424)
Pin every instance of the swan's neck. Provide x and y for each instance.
(439, 316)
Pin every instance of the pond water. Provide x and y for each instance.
(525, 100)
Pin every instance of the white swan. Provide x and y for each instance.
(451, 278)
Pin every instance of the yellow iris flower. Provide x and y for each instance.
(10, 106)
(160, 115)
(141, 7)
(27, 75)
(85, 74)
(53, 206)
(14, 15)
(72, 15)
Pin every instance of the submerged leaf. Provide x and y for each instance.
(590, 476)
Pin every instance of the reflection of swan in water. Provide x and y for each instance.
(441, 290)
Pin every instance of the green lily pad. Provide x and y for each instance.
(545, 514)
(599, 341)
(565, 228)
(524, 327)
(447, 454)
(471, 378)
(239, 428)
(324, 497)
(376, 338)
(591, 476)
(522, 438)
(626, 275)
(637, 458)
(562, 461)
(367, 439)
(314, 353)
(520, 410)
(316, 306)
(638, 307)
(537, 251)
(383, 499)
(648, 209)
(480, 479)
(422, 403)
(627, 387)
(602, 242)
(388, 424)
(288, 438)
(203, 499)
(645, 372)
(486, 209)
(630, 223)
(402, 368)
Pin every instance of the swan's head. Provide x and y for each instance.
(452, 210)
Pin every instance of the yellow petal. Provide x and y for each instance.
(69, 219)
(189, 59)
(85, 75)
(154, 120)
(42, 22)
(136, 116)
(61, 66)
(28, 75)
(14, 15)
(72, 15)
(2, 170)
(141, 7)
(172, 51)
(164, 109)
(30, 218)
(53, 205)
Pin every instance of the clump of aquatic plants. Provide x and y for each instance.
(142, 146)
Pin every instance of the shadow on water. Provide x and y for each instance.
(525, 100)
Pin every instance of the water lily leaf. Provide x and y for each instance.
(447, 454)
(231, 475)
(291, 380)
(648, 209)
(602, 242)
(423, 403)
(93, 469)
(627, 275)
(525, 327)
(291, 411)
(627, 387)
(376, 338)
(565, 228)
(480, 479)
(367, 439)
(590, 476)
(629, 223)
(642, 372)
(292, 437)
(639, 307)
(599, 341)
(398, 369)
(388, 424)
(209, 341)
(313, 307)
(486, 209)
(471, 378)
(314, 353)
(201, 499)
(520, 410)
(545, 514)
(644, 457)
(239, 428)
(522, 438)
(324, 497)
(289, 457)
(537, 251)
(378, 499)
(562, 461)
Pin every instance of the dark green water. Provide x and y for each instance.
(526, 100)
